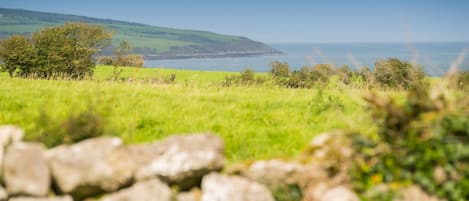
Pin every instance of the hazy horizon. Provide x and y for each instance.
(334, 21)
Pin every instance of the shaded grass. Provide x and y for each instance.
(255, 121)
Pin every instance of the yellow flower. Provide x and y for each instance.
(377, 178)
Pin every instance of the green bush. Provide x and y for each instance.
(74, 128)
(247, 77)
(394, 73)
(300, 78)
(389, 73)
(346, 74)
(308, 77)
(106, 60)
(123, 56)
(424, 140)
(322, 72)
(279, 69)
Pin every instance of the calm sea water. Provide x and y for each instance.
(435, 57)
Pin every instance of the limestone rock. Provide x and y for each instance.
(8, 134)
(330, 151)
(217, 187)
(61, 198)
(150, 190)
(339, 193)
(330, 146)
(91, 166)
(182, 160)
(413, 193)
(25, 170)
(323, 191)
(3, 194)
(315, 191)
(274, 173)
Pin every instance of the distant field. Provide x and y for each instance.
(145, 39)
(182, 76)
(255, 121)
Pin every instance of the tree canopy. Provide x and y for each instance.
(63, 51)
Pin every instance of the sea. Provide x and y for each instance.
(435, 57)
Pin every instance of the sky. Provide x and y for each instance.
(278, 21)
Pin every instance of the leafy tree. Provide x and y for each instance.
(63, 51)
(69, 50)
(17, 56)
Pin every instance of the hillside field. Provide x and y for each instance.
(256, 122)
(150, 41)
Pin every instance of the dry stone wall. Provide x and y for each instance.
(178, 168)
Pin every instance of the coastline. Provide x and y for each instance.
(216, 55)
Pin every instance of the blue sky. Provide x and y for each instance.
(284, 21)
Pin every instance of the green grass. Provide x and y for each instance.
(182, 76)
(255, 121)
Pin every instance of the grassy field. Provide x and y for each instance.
(255, 121)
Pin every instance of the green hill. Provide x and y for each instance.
(152, 41)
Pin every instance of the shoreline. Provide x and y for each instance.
(212, 56)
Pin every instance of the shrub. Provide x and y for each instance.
(365, 74)
(128, 60)
(307, 77)
(106, 60)
(134, 60)
(391, 73)
(423, 141)
(300, 78)
(123, 57)
(74, 128)
(394, 73)
(280, 70)
(247, 77)
(345, 74)
(322, 72)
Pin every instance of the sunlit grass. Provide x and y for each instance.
(255, 121)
